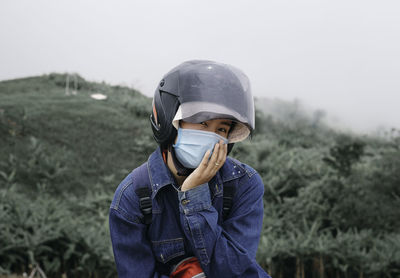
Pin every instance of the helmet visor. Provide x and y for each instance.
(215, 91)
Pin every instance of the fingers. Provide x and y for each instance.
(223, 150)
(204, 161)
(218, 157)
(214, 163)
(208, 167)
(214, 157)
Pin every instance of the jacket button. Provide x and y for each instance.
(185, 202)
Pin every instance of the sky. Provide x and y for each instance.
(342, 56)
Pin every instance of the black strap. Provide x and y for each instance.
(144, 194)
(145, 201)
(229, 192)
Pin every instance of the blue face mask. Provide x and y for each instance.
(192, 144)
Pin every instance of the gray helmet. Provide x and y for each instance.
(197, 91)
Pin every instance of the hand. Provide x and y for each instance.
(207, 168)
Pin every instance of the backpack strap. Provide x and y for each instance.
(144, 194)
(229, 192)
(146, 205)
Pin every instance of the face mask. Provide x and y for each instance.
(192, 144)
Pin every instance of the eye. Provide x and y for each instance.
(222, 129)
(204, 124)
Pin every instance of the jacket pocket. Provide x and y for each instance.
(166, 250)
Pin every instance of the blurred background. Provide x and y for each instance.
(339, 56)
(76, 81)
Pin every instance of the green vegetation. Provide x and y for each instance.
(332, 200)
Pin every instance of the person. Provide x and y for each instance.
(191, 210)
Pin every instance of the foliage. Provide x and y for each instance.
(344, 155)
(332, 200)
(48, 232)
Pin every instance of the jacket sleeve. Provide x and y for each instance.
(132, 250)
(229, 249)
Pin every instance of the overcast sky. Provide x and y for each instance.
(339, 55)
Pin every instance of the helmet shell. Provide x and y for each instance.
(200, 90)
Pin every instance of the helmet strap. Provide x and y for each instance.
(181, 170)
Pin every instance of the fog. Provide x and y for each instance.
(340, 56)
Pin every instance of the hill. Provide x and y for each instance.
(331, 198)
(87, 137)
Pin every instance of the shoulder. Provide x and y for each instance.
(125, 198)
(246, 177)
(234, 163)
(234, 169)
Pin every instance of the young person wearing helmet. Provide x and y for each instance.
(191, 211)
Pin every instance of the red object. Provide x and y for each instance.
(188, 268)
(164, 155)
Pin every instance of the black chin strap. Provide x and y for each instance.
(181, 170)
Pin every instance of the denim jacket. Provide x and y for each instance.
(188, 223)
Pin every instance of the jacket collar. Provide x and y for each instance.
(159, 173)
(161, 176)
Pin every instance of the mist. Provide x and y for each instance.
(338, 56)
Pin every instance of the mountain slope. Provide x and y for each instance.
(91, 138)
